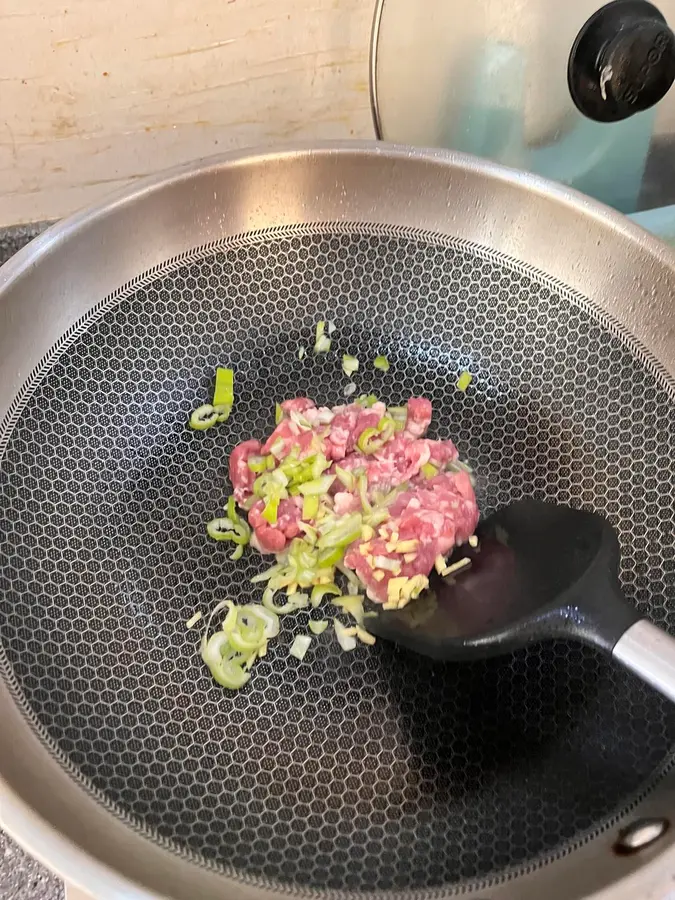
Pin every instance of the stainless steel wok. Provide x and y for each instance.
(372, 773)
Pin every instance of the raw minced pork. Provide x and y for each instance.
(434, 510)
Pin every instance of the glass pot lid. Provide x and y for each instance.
(524, 84)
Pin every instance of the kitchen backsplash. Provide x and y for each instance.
(95, 94)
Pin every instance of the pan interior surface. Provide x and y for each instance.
(375, 770)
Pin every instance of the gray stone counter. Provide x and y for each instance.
(21, 877)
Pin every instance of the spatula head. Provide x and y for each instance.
(540, 571)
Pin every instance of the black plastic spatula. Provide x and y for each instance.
(540, 571)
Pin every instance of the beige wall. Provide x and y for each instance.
(96, 93)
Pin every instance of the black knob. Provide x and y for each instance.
(622, 62)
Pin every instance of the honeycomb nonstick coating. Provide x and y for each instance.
(371, 770)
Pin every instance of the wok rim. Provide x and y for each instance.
(27, 825)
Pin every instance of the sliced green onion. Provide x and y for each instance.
(330, 557)
(341, 533)
(345, 478)
(226, 530)
(319, 465)
(317, 486)
(265, 576)
(300, 420)
(381, 363)
(260, 464)
(230, 622)
(377, 517)
(322, 342)
(363, 493)
(300, 646)
(331, 327)
(350, 364)
(399, 414)
(295, 601)
(222, 412)
(269, 619)
(223, 393)
(192, 621)
(352, 604)
(237, 553)
(270, 512)
(323, 590)
(366, 400)
(301, 352)
(278, 413)
(271, 484)
(464, 381)
(386, 426)
(251, 659)
(277, 448)
(310, 506)
(232, 528)
(369, 441)
(311, 534)
(318, 626)
(203, 417)
(224, 663)
(232, 510)
(246, 638)
(429, 470)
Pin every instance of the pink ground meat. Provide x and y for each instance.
(439, 512)
(274, 538)
(419, 417)
(440, 515)
(241, 476)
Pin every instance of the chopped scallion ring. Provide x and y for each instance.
(222, 411)
(381, 363)
(318, 626)
(295, 601)
(322, 342)
(203, 417)
(369, 441)
(226, 530)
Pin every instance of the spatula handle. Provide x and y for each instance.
(650, 654)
